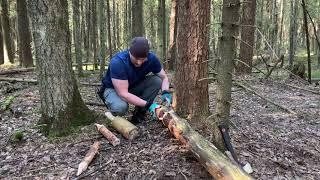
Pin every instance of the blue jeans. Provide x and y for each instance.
(147, 90)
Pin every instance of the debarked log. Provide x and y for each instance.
(89, 157)
(126, 128)
(108, 134)
(216, 163)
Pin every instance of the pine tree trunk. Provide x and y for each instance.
(6, 32)
(118, 25)
(113, 20)
(172, 35)
(94, 33)
(282, 9)
(161, 31)
(24, 35)
(125, 23)
(307, 38)
(151, 34)
(274, 28)
(1, 44)
(88, 30)
(293, 31)
(61, 103)
(230, 14)
(102, 19)
(260, 25)
(247, 36)
(129, 35)
(192, 56)
(137, 18)
(318, 31)
(109, 29)
(77, 35)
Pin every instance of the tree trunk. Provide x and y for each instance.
(172, 35)
(88, 30)
(282, 9)
(247, 36)
(109, 29)
(137, 18)
(102, 19)
(192, 56)
(152, 34)
(274, 27)
(125, 24)
(114, 26)
(129, 35)
(230, 14)
(293, 31)
(7, 35)
(162, 32)
(1, 44)
(260, 20)
(318, 35)
(24, 35)
(307, 38)
(77, 33)
(94, 33)
(61, 103)
(118, 25)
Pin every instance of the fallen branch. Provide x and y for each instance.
(308, 90)
(267, 99)
(216, 163)
(14, 71)
(108, 134)
(91, 103)
(126, 128)
(18, 80)
(35, 81)
(89, 157)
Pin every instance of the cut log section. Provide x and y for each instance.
(126, 128)
(108, 134)
(88, 158)
(216, 163)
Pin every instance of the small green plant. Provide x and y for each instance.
(7, 102)
(17, 136)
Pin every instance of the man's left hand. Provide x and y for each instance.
(166, 97)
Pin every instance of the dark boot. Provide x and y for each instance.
(138, 115)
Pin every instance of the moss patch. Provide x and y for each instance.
(69, 120)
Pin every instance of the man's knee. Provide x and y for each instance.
(156, 82)
(119, 108)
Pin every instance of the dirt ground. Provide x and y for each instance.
(277, 144)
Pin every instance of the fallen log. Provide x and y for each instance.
(216, 163)
(35, 81)
(88, 158)
(126, 128)
(18, 80)
(14, 71)
(108, 134)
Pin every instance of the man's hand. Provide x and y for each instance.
(152, 110)
(166, 97)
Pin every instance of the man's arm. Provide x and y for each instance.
(121, 87)
(165, 81)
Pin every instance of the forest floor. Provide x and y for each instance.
(278, 144)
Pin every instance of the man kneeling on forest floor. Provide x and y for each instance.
(126, 81)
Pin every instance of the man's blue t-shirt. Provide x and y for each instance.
(121, 67)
